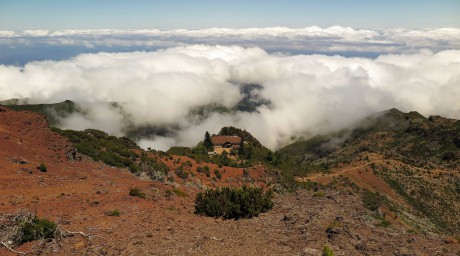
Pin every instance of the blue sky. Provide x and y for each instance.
(138, 14)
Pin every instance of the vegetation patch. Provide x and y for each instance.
(179, 192)
(233, 203)
(373, 200)
(42, 168)
(136, 192)
(319, 194)
(181, 173)
(114, 213)
(100, 146)
(327, 251)
(25, 227)
(218, 174)
(38, 229)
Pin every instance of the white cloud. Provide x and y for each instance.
(314, 39)
(308, 94)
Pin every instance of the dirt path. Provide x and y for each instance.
(334, 174)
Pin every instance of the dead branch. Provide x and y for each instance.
(67, 233)
(13, 250)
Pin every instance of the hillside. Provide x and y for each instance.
(88, 196)
(408, 137)
(415, 157)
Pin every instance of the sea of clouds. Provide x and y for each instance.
(304, 94)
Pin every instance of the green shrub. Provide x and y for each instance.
(372, 200)
(114, 213)
(327, 251)
(181, 173)
(233, 203)
(207, 171)
(42, 168)
(384, 223)
(217, 173)
(38, 229)
(136, 192)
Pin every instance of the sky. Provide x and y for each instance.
(303, 67)
(198, 14)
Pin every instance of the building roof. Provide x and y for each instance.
(219, 140)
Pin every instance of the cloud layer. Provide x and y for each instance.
(304, 95)
(344, 41)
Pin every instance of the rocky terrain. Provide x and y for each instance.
(82, 195)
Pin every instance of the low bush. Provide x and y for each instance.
(114, 213)
(136, 192)
(327, 251)
(233, 203)
(181, 173)
(384, 223)
(218, 174)
(37, 229)
(372, 200)
(207, 171)
(42, 168)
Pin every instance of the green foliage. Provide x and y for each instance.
(136, 192)
(179, 151)
(207, 141)
(327, 251)
(233, 203)
(100, 146)
(154, 168)
(114, 213)
(181, 173)
(42, 167)
(246, 151)
(38, 229)
(435, 198)
(200, 150)
(273, 158)
(217, 173)
(384, 223)
(372, 200)
(117, 152)
(250, 150)
(247, 137)
(53, 112)
(207, 171)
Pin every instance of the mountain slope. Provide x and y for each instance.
(81, 194)
(418, 157)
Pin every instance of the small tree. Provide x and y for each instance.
(207, 141)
